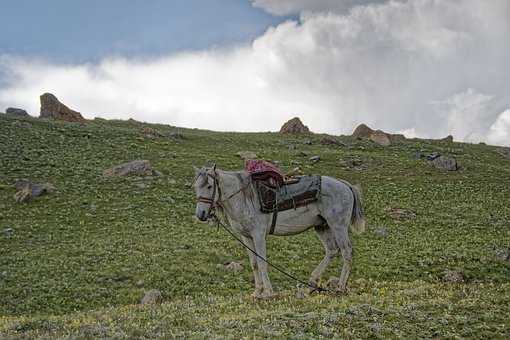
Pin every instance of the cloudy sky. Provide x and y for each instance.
(425, 68)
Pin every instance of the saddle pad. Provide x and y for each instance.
(289, 196)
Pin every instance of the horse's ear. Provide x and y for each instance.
(197, 170)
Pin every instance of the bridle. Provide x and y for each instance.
(212, 201)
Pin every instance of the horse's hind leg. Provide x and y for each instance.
(343, 241)
(339, 228)
(331, 250)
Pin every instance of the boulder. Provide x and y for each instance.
(362, 131)
(16, 112)
(445, 163)
(381, 138)
(26, 190)
(294, 126)
(505, 152)
(328, 140)
(52, 108)
(133, 168)
(152, 297)
(447, 139)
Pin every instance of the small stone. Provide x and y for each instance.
(433, 155)
(233, 266)
(445, 163)
(133, 168)
(300, 293)
(503, 255)
(454, 276)
(141, 185)
(8, 232)
(381, 231)
(152, 297)
(307, 142)
(400, 213)
(244, 155)
(315, 159)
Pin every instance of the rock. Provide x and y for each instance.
(300, 293)
(381, 231)
(233, 266)
(315, 159)
(328, 140)
(381, 138)
(176, 135)
(152, 297)
(362, 131)
(400, 213)
(294, 126)
(149, 132)
(307, 142)
(447, 139)
(52, 108)
(247, 155)
(333, 283)
(134, 168)
(503, 255)
(26, 190)
(445, 163)
(454, 276)
(432, 156)
(505, 152)
(8, 232)
(16, 112)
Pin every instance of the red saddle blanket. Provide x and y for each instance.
(264, 171)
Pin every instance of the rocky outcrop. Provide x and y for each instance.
(294, 126)
(52, 108)
(134, 168)
(16, 112)
(381, 138)
(362, 131)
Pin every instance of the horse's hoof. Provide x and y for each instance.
(264, 295)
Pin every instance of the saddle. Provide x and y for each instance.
(279, 193)
(293, 193)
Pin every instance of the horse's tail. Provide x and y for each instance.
(358, 217)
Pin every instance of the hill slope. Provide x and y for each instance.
(77, 261)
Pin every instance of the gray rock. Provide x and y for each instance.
(294, 126)
(315, 159)
(445, 163)
(328, 140)
(454, 276)
(505, 152)
(134, 168)
(233, 266)
(8, 232)
(381, 231)
(16, 112)
(152, 297)
(26, 190)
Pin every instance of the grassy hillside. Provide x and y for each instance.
(78, 261)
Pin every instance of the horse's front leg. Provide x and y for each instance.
(260, 247)
(254, 266)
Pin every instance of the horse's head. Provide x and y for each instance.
(206, 189)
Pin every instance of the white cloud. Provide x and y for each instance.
(430, 67)
(499, 132)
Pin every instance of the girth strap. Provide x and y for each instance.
(273, 222)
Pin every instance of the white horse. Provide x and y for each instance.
(235, 195)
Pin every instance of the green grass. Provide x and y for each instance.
(79, 260)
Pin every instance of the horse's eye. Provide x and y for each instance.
(209, 187)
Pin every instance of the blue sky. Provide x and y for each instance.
(78, 31)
